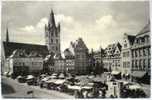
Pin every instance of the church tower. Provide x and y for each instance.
(7, 35)
(52, 35)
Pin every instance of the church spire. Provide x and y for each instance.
(51, 19)
(7, 35)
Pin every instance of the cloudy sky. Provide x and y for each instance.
(99, 23)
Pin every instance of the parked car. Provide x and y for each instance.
(132, 90)
(31, 80)
(61, 76)
(21, 79)
(44, 82)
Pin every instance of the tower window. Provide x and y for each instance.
(56, 40)
(56, 48)
(56, 34)
(52, 33)
(51, 40)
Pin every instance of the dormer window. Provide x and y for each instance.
(125, 45)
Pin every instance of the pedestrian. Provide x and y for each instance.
(76, 94)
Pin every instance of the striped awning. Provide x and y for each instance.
(138, 73)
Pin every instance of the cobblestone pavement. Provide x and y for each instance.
(12, 89)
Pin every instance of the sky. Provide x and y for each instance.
(98, 23)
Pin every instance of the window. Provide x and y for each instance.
(56, 48)
(136, 64)
(144, 52)
(140, 52)
(144, 64)
(53, 47)
(135, 53)
(133, 64)
(123, 54)
(143, 40)
(52, 34)
(56, 40)
(51, 40)
(140, 65)
(128, 64)
(56, 34)
(125, 45)
(148, 63)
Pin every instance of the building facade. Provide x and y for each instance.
(28, 57)
(81, 57)
(126, 54)
(52, 35)
(112, 58)
(141, 52)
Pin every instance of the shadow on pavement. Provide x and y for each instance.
(6, 89)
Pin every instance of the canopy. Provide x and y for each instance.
(138, 73)
(134, 87)
(30, 77)
(115, 72)
(53, 76)
(87, 87)
(61, 76)
(60, 81)
(51, 81)
(75, 87)
(19, 77)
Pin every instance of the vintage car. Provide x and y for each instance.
(132, 90)
(21, 79)
(31, 80)
(43, 82)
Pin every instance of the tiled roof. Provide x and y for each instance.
(10, 47)
(112, 47)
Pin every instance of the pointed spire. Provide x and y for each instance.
(7, 35)
(51, 19)
(58, 27)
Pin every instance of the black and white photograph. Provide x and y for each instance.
(75, 49)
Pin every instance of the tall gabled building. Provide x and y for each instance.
(52, 35)
(126, 54)
(141, 52)
(112, 57)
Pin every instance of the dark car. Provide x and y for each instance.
(21, 79)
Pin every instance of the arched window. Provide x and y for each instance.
(51, 40)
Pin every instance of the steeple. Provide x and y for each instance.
(7, 35)
(51, 19)
(58, 27)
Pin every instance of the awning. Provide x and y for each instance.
(115, 72)
(60, 81)
(30, 77)
(9, 73)
(87, 87)
(134, 87)
(51, 81)
(138, 73)
(75, 87)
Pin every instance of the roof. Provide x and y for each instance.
(112, 48)
(10, 47)
(145, 29)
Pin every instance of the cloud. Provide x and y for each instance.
(98, 23)
(42, 23)
(63, 18)
(29, 28)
